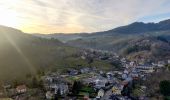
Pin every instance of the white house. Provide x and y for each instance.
(124, 76)
(84, 70)
(169, 61)
(100, 93)
(49, 95)
(100, 82)
(126, 71)
(132, 63)
(63, 89)
(161, 63)
(146, 69)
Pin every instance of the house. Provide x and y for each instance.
(100, 93)
(49, 95)
(73, 72)
(53, 87)
(126, 66)
(124, 76)
(21, 89)
(161, 63)
(83, 57)
(49, 79)
(116, 90)
(60, 88)
(63, 89)
(146, 69)
(6, 86)
(100, 82)
(109, 75)
(123, 60)
(126, 81)
(169, 61)
(135, 75)
(132, 63)
(84, 70)
(101, 72)
(143, 88)
(119, 73)
(1, 93)
(126, 71)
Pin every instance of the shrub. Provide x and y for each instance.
(165, 87)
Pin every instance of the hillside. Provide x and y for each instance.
(122, 38)
(22, 53)
(59, 36)
(138, 28)
(148, 48)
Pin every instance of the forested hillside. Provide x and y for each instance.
(22, 53)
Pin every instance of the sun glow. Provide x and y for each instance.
(9, 18)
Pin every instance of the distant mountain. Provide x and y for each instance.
(61, 37)
(140, 27)
(120, 39)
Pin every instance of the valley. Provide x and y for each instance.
(115, 64)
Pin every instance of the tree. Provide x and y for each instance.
(167, 66)
(127, 90)
(76, 87)
(90, 60)
(165, 87)
(28, 76)
(34, 82)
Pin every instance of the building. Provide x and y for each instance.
(49, 95)
(60, 88)
(126, 81)
(100, 93)
(116, 90)
(84, 70)
(124, 76)
(63, 89)
(49, 79)
(21, 89)
(73, 72)
(109, 75)
(169, 61)
(161, 63)
(146, 69)
(100, 82)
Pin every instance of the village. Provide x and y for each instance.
(91, 83)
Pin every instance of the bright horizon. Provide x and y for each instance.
(76, 16)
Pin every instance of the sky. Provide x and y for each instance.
(75, 16)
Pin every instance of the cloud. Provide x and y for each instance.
(70, 16)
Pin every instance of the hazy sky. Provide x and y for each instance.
(69, 16)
